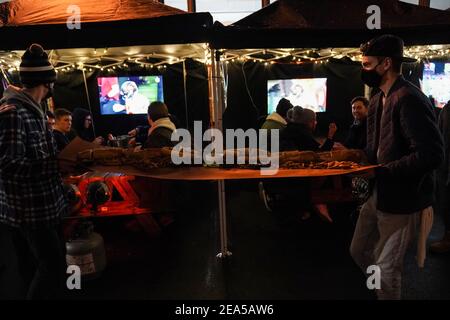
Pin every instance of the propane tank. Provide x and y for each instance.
(86, 249)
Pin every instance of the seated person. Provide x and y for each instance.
(161, 127)
(140, 133)
(61, 128)
(82, 126)
(298, 134)
(50, 119)
(278, 119)
(357, 134)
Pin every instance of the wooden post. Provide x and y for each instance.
(265, 3)
(191, 5)
(424, 3)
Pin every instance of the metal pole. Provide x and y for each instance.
(88, 100)
(425, 3)
(191, 6)
(217, 91)
(185, 93)
(218, 103)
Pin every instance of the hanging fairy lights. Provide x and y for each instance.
(323, 56)
(103, 60)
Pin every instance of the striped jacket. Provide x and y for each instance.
(31, 190)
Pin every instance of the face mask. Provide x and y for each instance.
(371, 77)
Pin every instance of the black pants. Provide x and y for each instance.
(38, 257)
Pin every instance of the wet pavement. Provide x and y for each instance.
(274, 255)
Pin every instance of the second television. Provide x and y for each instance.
(129, 95)
(308, 93)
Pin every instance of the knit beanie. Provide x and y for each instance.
(35, 68)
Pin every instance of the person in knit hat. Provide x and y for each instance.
(31, 197)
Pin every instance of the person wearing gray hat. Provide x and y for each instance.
(32, 198)
(405, 143)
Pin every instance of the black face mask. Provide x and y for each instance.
(371, 77)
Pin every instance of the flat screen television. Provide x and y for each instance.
(436, 82)
(308, 93)
(129, 95)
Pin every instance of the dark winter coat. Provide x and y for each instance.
(406, 141)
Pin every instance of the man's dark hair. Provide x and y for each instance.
(50, 114)
(283, 106)
(362, 99)
(61, 112)
(157, 110)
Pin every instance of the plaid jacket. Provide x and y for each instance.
(31, 190)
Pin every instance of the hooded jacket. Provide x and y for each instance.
(32, 193)
(78, 117)
(274, 121)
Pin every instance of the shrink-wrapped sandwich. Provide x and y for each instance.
(102, 156)
(297, 156)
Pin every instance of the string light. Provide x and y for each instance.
(295, 56)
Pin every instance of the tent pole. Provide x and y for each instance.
(218, 103)
(185, 93)
(217, 90)
(88, 99)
